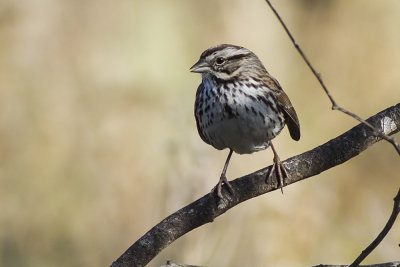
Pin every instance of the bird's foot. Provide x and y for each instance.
(281, 173)
(218, 187)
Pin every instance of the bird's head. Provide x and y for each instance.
(225, 62)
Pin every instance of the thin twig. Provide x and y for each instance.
(318, 76)
(172, 264)
(382, 234)
(386, 264)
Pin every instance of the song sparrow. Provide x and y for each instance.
(240, 106)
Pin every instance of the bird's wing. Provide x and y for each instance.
(290, 115)
(286, 106)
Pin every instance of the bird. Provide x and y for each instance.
(240, 106)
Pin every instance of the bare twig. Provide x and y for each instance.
(386, 264)
(172, 264)
(207, 208)
(335, 106)
(382, 234)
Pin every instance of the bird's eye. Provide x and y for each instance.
(220, 60)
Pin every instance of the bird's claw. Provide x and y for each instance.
(281, 172)
(218, 187)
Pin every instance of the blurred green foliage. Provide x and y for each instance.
(98, 140)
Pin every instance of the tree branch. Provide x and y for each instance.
(382, 234)
(172, 264)
(386, 264)
(308, 164)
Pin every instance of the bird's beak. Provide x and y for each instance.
(201, 66)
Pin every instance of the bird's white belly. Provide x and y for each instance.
(242, 135)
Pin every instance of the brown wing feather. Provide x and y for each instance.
(286, 106)
(290, 115)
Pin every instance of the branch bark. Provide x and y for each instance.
(387, 264)
(305, 165)
(382, 234)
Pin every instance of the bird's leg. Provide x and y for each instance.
(281, 172)
(222, 179)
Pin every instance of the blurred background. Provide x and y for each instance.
(98, 139)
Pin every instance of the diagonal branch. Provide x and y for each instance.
(386, 264)
(310, 163)
(382, 234)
